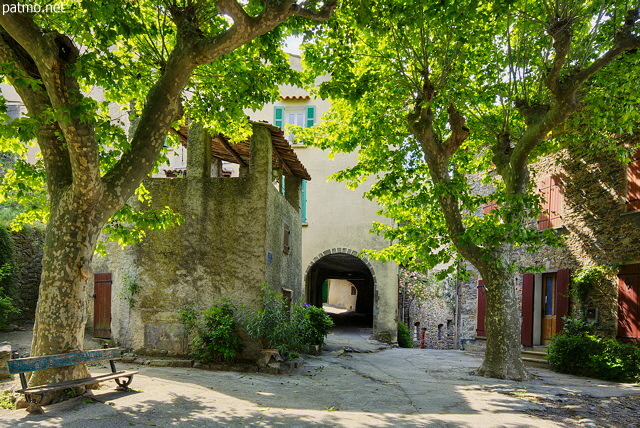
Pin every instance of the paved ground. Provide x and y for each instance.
(356, 388)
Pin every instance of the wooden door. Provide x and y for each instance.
(629, 303)
(526, 331)
(102, 305)
(549, 291)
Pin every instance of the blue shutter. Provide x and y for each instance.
(303, 201)
(278, 117)
(310, 117)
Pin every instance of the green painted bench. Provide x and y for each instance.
(31, 364)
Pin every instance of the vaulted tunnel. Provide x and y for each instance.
(322, 287)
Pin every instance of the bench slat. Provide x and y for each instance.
(32, 364)
(75, 383)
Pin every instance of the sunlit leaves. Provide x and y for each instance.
(488, 59)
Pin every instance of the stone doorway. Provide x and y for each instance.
(345, 285)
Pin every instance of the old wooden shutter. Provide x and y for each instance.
(562, 297)
(555, 202)
(278, 116)
(633, 183)
(526, 335)
(544, 189)
(629, 303)
(490, 206)
(102, 305)
(482, 310)
(310, 116)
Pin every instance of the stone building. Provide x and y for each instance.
(335, 220)
(591, 200)
(428, 307)
(238, 233)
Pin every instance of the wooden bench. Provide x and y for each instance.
(26, 365)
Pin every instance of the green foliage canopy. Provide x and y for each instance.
(451, 101)
(120, 52)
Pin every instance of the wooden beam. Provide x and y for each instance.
(231, 151)
(285, 167)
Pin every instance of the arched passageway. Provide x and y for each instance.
(345, 282)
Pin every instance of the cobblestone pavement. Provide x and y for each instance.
(578, 410)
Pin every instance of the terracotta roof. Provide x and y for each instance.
(295, 97)
(283, 155)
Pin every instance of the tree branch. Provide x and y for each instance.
(561, 31)
(624, 40)
(54, 55)
(55, 156)
(322, 14)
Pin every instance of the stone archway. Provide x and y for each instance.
(342, 264)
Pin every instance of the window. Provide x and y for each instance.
(287, 233)
(551, 191)
(303, 116)
(633, 183)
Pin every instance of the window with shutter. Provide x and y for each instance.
(302, 116)
(633, 183)
(551, 191)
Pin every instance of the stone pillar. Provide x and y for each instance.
(261, 153)
(292, 190)
(198, 152)
(5, 355)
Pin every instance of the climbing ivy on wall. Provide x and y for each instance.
(594, 286)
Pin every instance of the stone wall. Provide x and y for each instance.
(428, 307)
(28, 245)
(231, 242)
(597, 231)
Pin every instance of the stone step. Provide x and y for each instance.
(535, 354)
(531, 362)
(535, 357)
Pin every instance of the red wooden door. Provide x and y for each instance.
(562, 298)
(482, 309)
(629, 303)
(526, 335)
(102, 305)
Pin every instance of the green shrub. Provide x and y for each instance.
(312, 323)
(270, 324)
(592, 356)
(215, 332)
(278, 326)
(404, 336)
(575, 326)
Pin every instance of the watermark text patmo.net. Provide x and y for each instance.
(32, 8)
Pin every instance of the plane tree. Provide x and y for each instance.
(448, 104)
(153, 59)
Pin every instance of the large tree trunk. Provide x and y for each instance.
(61, 313)
(502, 359)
